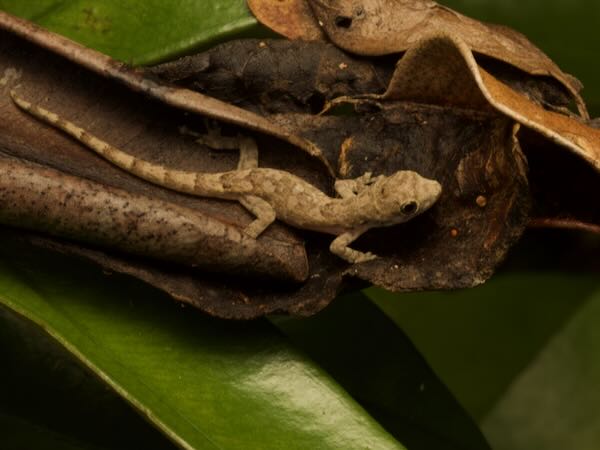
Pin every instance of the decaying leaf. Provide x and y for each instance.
(561, 185)
(485, 202)
(381, 27)
(276, 76)
(480, 183)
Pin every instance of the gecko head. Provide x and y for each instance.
(402, 196)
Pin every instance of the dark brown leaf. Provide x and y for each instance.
(277, 76)
(484, 205)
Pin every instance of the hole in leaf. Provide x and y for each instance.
(316, 102)
(343, 22)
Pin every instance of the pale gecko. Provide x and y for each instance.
(365, 202)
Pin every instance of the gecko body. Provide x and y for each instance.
(365, 202)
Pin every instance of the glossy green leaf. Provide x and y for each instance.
(205, 383)
(555, 403)
(139, 31)
(479, 340)
(378, 365)
(47, 396)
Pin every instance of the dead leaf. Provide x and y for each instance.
(276, 76)
(287, 17)
(484, 206)
(38, 198)
(561, 184)
(464, 84)
(381, 27)
(143, 127)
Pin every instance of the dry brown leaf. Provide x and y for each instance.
(37, 198)
(484, 206)
(381, 27)
(143, 127)
(561, 180)
(441, 69)
(288, 18)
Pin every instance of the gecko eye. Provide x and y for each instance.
(409, 208)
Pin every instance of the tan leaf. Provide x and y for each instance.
(441, 69)
(380, 27)
(288, 18)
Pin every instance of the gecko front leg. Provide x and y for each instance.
(340, 244)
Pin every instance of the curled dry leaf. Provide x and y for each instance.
(471, 150)
(121, 210)
(149, 128)
(38, 198)
(381, 27)
(286, 76)
(287, 17)
(465, 84)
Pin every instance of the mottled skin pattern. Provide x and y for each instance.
(364, 203)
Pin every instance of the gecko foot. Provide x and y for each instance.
(363, 257)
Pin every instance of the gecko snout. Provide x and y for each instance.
(428, 193)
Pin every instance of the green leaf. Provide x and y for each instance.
(18, 434)
(555, 403)
(48, 397)
(205, 383)
(479, 340)
(377, 364)
(139, 31)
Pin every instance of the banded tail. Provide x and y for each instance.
(178, 180)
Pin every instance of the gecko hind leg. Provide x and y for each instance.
(339, 247)
(264, 213)
(353, 187)
(216, 141)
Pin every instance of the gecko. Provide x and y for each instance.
(268, 194)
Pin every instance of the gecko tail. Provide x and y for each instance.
(181, 181)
